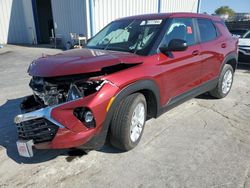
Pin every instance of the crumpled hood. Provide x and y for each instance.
(79, 61)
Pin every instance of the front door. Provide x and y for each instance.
(182, 69)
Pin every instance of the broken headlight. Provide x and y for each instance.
(53, 91)
(73, 93)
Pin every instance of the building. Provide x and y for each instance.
(35, 21)
(223, 16)
(242, 16)
(236, 17)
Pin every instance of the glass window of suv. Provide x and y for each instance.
(180, 28)
(247, 35)
(135, 36)
(207, 30)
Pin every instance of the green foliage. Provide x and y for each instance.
(225, 10)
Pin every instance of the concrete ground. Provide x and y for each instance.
(202, 143)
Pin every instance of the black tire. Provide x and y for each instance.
(217, 91)
(121, 121)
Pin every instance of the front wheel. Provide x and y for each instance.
(225, 82)
(128, 122)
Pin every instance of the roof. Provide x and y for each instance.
(171, 15)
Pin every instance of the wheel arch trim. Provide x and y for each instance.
(229, 57)
(137, 87)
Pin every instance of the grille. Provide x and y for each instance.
(245, 50)
(39, 130)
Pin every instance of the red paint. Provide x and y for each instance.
(78, 61)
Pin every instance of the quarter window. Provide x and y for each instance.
(207, 30)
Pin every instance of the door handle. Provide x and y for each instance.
(196, 52)
(223, 45)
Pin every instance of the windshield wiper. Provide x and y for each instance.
(125, 29)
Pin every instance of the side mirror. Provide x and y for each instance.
(174, 45)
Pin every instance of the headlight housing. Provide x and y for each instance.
(73, 93)
(85, 116)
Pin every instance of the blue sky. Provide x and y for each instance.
(209, 6)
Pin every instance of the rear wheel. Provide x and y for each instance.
(225, 82)
(128, 122)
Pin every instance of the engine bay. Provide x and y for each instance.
(53, 91)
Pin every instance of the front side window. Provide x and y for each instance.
(207, 30)
(135, 36)
(180, 28)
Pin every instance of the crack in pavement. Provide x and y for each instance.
(248, 105)
(232, 125)
(218, 112)
(156, 135)
(246, 181)
(232, 122)
(205, 123)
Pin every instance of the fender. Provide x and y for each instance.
(98, 140)
(138, 86)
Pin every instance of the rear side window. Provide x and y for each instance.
(207, 30)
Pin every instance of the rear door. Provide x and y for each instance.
(213, 46)
(182, 69)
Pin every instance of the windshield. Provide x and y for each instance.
(135, 36)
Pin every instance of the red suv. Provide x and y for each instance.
(134, 69)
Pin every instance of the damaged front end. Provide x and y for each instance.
(53, 91)
(63, 112)
(71, 97)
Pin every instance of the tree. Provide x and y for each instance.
(225, 10)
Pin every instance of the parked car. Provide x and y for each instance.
(244, 44)
(135, 69)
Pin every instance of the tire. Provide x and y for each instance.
(122, 135)
(220, 91)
